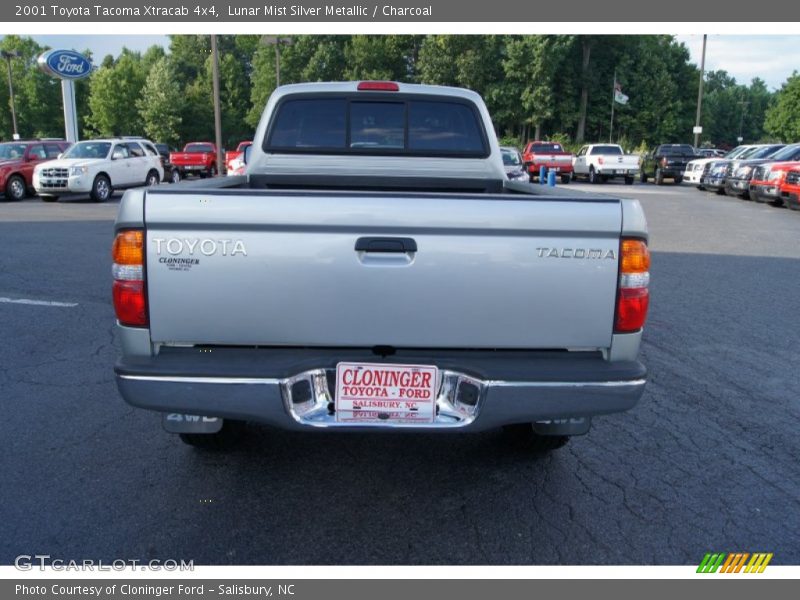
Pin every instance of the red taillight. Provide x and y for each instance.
(128, 290)
(379, 86)
(631, 309)
(130, 303)
(633, 296)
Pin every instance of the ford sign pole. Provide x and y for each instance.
(67, 65)
(70, 111)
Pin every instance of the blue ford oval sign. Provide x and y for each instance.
(65, 64)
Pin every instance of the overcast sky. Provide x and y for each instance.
(770, 57)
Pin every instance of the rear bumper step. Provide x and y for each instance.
(479, 390)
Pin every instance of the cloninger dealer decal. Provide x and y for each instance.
(385, 393)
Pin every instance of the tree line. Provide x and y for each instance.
(536, 86)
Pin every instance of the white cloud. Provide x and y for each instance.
(773, 58)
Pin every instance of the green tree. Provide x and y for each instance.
(160, 103)
(531, 66)
(656, 74)
(303, 58)
(471, 61)
(37, 95)
(722, 110)
(234, 99)
(383, 57)
(783, 117)
(113, 95)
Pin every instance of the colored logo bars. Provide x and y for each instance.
(734, 562)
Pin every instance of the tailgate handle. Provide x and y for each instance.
(379, 244)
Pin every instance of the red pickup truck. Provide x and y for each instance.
(790, 189)
(550, 155)
(196, 158)
(766, 183)
(17, 160)
(232, 155)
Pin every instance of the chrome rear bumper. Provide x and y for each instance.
(467, 399)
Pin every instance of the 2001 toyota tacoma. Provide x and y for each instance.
(375, 269)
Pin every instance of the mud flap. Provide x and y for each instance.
(563, 426)
(179, 423)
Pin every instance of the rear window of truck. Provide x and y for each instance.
(386, 126)
(676, 150)
(606, 150)
(546, 148)
(198, 148)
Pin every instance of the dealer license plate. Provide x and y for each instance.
(385, 394)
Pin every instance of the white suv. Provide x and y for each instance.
(98, 167)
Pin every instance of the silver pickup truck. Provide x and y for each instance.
(375, 269)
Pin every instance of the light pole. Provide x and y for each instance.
(276, 40)
(700, 94)
(217, 112)
(741, 117)
(8, 55)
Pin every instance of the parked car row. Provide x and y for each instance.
(53, 167)
(595, 162)
(760, 172)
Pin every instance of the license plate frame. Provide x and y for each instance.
(386, 394)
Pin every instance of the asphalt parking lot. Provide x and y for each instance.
(707, 461)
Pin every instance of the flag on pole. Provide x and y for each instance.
(618, 95)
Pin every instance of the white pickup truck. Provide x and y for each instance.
(376, 269)
(601, 162)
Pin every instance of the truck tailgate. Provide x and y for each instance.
(281, 268)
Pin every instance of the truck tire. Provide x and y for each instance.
(629, 180)
(16, 189)
(593, 176)
(101, 189)
(48, 198)
(659, 177)
(566, 178)
(226, 438)
(212, 172)
(152, 179)
(175, 176)
(522, 436)
(752, 196)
